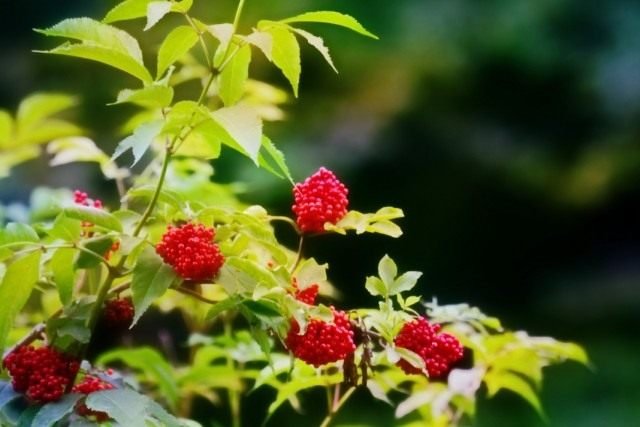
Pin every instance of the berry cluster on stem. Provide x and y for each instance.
(319, 199)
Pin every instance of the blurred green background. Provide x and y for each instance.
(508, 131)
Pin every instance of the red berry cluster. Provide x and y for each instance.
(320, 198)
(322, 342)
(43, 374)
(438, 350)
(82, 198)
(307, 295)
(91, 384)
(118, 313)
(190, 250)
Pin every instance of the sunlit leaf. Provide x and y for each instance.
(38, 106)
(285, 52)
(140, 141)
(154, 96)
(179, 41)
(330, 17)
(232, 79)
(243, 126)
(156, 10)
(318, 43)
(96, 216)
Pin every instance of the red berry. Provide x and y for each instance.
(322, 342)
(43, 374)
(319, 199)
(307, 295)
(118, 313)
(190, 250)
(438, 350)
(88, 385)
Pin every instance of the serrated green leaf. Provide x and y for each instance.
(126, 407)
(16, 232)
(96, 216)
(255, 271)
(277, 157)
(286, 54)
(103, 55)
(244, 128)
(376, 287)
(154, 96)
(204, 141)
(405, 282)
(154, 367)
(140, 141)
(151, 279)
(318, 43)
(179, 41)
(128, 9)
(156, 10)
(221, 306)
(61, 265)
(263, 41)
(51, 413)
(39, 106)
(18, 282)
(330, 17)
(234, 75)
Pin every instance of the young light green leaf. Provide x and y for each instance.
(96, 216)
(233, 77)
(18, 282)
(156, 10)
(330, 17)
(277, 157)
(412, 358)
(126, 407)
(128, 9)
(223, 33)
(63, 274)
(405, 282)
(53, 412)
(263, 41)
(498, 380)
(243, 126)
(140, 141)
(179, 41)
(154, 96)
(39, 106)
(151, 279)
(82, 149)
(387, 270)
(376, 287)
(64, 228)
(318, 43)
(104, 55)
(286, 54)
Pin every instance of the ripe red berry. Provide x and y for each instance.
(307, 295)
(320, 198)
(438, 350)
(91, 384)
(322, 342)
(190, 250)
(42, 374)
(118, 313)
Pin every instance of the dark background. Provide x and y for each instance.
(507, 131)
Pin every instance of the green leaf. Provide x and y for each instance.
(277, 157)
(16, 232)
(51, 413)
(153, 366)
(6, 127)
(405, 282)
(99, 245)
(244, 128)
(96, 216)
(222, 306)
(286, 54)
(156, 10)
(255, 271)
(379, 222)
(330, 17)
(61, 265)
(234, 75)
(154, 96)
(498, 380)
(39, 106)
(376, 287)
(263, 308)
(17, 284)
(126, 407)
(318, 43)
(204, 141)
(128, 9)
(412, 358)
(309, 272)
(103, 55)
(179, 41)
(82, 149)
(387, 270)
(140, 141)
(151, 279)
(16, 156)
(64, 228)
(263, 41)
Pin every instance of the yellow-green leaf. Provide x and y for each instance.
(233, 77)
(330, 17)
(179, 41)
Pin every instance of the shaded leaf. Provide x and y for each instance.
(51, 413)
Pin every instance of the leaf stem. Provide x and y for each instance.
(236, 18)
(336, 407)
(205, 49)
(195, 295)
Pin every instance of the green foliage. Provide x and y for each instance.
(78, 257)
